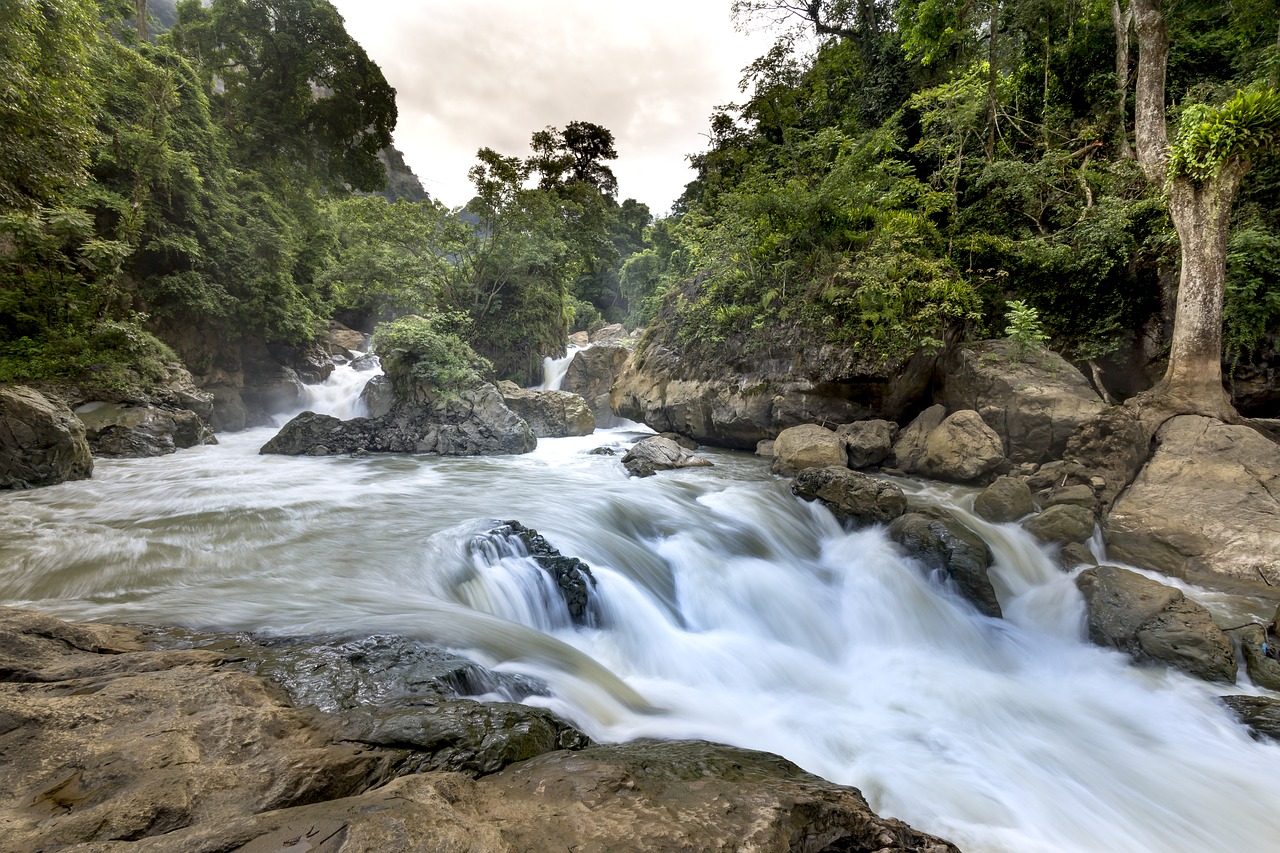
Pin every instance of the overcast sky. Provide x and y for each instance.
(474, 73)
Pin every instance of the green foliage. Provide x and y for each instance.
(1209, 136)
(1024, 329)
(113, 355)
(1251, 304)
(429, 350)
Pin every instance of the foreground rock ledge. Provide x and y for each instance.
(112, 745)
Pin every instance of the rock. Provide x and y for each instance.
(550, 414)
(1260, 713)
(603, 451)
(765, 448)
(365, 363)
(309, 361)
(1263, 668)
(908, 451)
(961, 449)
(229, 412)
(742, 397)
(807, 446)
(41, 442)
(1033, 404)
(608, 334)
(1075, 554)
(378, 396)
(1205, 507)
(682, 440)
(272, 391)
(1112, 447)
(472, 423)
(572, 576)
(851, 495)
(655, 453)
(867, 442)
(1005, 500)
(344, 340)
(117, 431)
(1078, 495)
(944, 544)
(1152, 622)
(1061, 524)
(591, 374)
(579, 339)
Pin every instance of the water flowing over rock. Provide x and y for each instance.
(851, 495)
(1260, 713)
(961, 449)
(119, 431)
(474, 422)
(550, 414)
(867, 442)
(1007, 499)
(1260, 646)
(1205, 507)
(807, 446)
(572, 577)
(942, 543)
(655, 453)
(591, 375)
(1034, 403)
(1152, 622)
(754, 398)
(41, 442)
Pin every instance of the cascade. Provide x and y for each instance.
(339, 395)
(554, 369)
(725, 608)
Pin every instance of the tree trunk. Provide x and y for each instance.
(140, 7)
(1149, 128)
(1122, 21)
(1202, 215)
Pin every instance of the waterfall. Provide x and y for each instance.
(554, 369)
(339, 395)
(725, 608)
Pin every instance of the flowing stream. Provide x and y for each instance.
(725, 609)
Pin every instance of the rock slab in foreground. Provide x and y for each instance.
(1206, 505)
(851, 495)
(118, 431)
(41, 442)
(1155, 623)
(655, 453)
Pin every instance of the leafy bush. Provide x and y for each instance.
(115, 355)
(1024, 328)
(428, 350)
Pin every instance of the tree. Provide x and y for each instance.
(576, 155)
(1203, 172)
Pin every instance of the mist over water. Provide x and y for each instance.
(727, 609)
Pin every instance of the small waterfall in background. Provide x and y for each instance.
(339, 395)
(554, 369)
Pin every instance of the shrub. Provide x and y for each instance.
(427, 350)
(1024, 328)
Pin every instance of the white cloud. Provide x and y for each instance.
(474, 73)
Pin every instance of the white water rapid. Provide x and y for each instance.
(554, 369)
(725, 609)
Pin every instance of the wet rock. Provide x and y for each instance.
(765, 448)
(229, 412)
(1152, 622)
(603, 451)
(682, 440)
(867, 443)
(1079, 495)
(1204, 507)
(1005, 500)
(344, 340)
(118, 431)
(41, 442)
(608, 334)
(1261, 649)
(807, 446)
(309, 361)
(550, 414)
(472, 423)
(942, 543)
(961, 449)
(592, 374)
(1034, 404)
(365, 363)
(908, 451)
(1075, 554)
(1061, 524)
(272, 390)
(579, 339)
(655, 453)
(851, 495)
(1260, 713)
(572, 576)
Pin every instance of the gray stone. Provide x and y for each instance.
(41, 442)
(119, 431)
(579, 339)
(961, 449)
(608, 334)
(1263, 668)
(937, 539)
(229, 412)
(655, 453)
(851, 495)
(765, 448)
(909, 448)
(550, 414)
(1061, 524)
(1078, 495)
(1152, 622)
(592, 374)
(1075, 554)
(1007, 499)
(867, 442)
(682, 440)
(1260, 713)
(807, 446)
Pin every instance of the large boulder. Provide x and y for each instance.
(961, 449)
(741, 398)
(229, 412)
(42, 442)
(851, 495)
(1007, 499)
(867, 442)
(592, 373)
(655, 453)
(909, 448)
(343, 341)
(807, 446)
(942, 543)
(1152, 622)
(1261, 649)
(117, 431)
(1033, 403)
(471, 423)
(1205, 507)
(1062, 524)
(608, 334)
(550, 414)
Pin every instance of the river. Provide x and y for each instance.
(727, 609)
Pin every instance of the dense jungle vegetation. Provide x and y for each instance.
(896, 173)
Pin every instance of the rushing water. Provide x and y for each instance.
(726, 609)
(554, 369)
